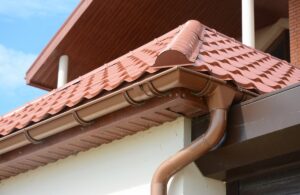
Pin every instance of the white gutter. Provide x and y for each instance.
(62, 77)
(248, 36)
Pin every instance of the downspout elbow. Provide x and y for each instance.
(218, 103)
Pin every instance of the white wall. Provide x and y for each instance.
(123, 167)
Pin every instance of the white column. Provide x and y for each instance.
(248, 22)
(62, 78)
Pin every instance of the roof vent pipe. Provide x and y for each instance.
(218, 100)
(62, 77)
(248, 36)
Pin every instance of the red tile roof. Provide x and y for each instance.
(198, 47)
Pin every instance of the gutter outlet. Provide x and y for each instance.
(219, 98)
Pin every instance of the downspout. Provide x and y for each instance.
(218, 101)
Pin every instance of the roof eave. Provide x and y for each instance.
(53, 44)
(167, 80)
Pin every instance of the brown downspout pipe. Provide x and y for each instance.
(218, 103)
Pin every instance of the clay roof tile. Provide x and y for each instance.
(194, 45)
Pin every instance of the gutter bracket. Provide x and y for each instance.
(144, 91)
(31, 139)
(131, 101)
(155, 91)
(205, 89)
(81, 121)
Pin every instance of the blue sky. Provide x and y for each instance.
(26, 27)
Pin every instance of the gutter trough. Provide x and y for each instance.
(86, 113)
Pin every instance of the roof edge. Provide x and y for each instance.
(54, 42)
(104, 130)
(124, 97)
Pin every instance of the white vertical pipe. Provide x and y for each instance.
(248, 36)
(62, 78)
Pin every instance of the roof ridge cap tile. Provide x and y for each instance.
(184, 47)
